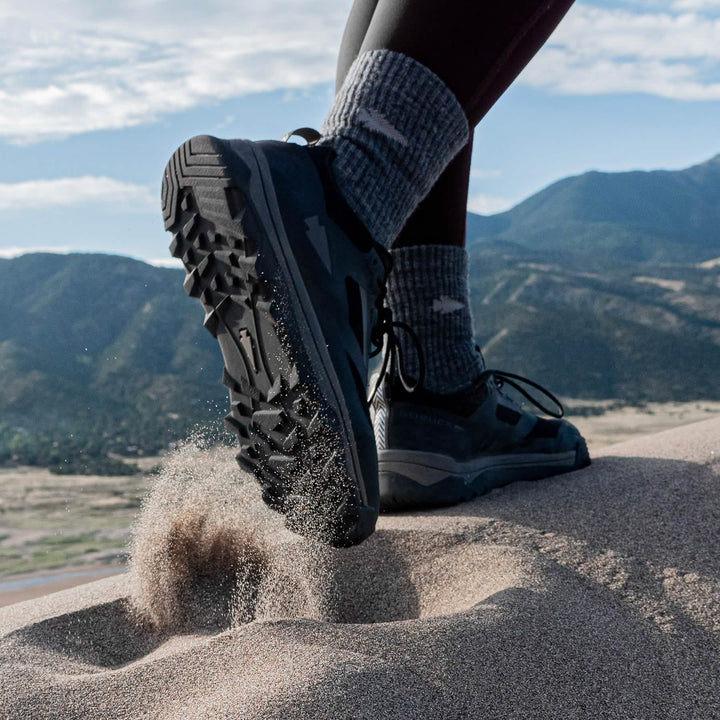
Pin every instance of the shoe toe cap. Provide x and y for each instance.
(551, 435)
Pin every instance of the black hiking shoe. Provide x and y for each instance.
(289, 279)
(438, 450)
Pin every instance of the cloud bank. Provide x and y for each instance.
(7, 253)
(485, 204)
(69, 192)
(671, 54)
(78, 66)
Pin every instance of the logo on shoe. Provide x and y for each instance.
(318, 237)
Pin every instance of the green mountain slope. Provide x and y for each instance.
(660, 216)
(637, 333)
(99, 354)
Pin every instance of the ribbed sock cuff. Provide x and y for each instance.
(428, 290)
(395, 126)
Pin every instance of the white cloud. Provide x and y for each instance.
(13, 252)
(165, 262)
(598, 50)
(79, 66)
(65, 192)
(488, 204)
(483, 174)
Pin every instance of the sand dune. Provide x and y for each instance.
(592, 595)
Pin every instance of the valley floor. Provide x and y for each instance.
(615, 423)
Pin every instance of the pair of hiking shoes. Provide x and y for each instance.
(293, 288)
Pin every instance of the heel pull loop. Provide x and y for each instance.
(309, 135)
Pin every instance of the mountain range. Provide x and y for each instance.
(603, 285)
(601, 218)
(99, 354)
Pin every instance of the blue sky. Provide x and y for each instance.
(97, 94)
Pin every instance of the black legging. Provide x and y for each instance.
(477, 48)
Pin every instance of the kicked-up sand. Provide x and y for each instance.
(590, 595)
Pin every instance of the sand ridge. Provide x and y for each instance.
(591, 595)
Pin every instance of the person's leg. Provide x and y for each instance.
(478, 60)
(477, 49)
(511, 36)
(356, 27)
(459, 436)
(441, 217)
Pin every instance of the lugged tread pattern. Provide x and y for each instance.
(283, 439)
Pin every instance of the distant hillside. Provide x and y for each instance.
(100, 354)
(636, 332)
(659, 216)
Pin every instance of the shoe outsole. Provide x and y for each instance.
(399, 493)
(287, 435)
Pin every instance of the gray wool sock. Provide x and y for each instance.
(428, 290)
(395, 126)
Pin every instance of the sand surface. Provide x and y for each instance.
(69, 524)
(591, 595)
(616, 422)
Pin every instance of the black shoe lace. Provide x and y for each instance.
(393, 360)
(505, 378)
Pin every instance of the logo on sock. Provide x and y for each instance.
(373, 120)
(446, 305)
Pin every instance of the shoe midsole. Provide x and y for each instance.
(429, 469)
(268, 208)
